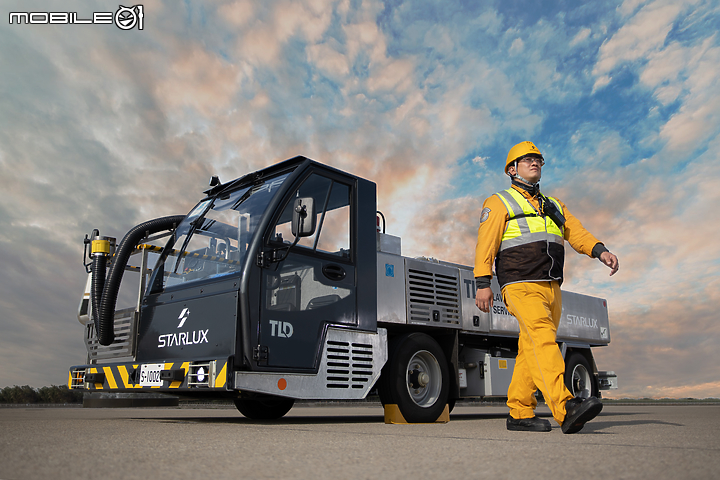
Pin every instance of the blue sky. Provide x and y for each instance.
(103, 128)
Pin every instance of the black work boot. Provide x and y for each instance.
(579, 411)
(533, 424)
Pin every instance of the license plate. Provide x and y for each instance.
(150, 375)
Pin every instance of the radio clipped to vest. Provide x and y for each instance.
(551, 210)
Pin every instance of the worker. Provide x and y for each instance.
(522, 232)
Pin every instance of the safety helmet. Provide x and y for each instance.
(522, 149)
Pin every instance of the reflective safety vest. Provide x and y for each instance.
(531, 249)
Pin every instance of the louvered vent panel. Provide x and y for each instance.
(431, 292)
(349, 365)
(122, 347)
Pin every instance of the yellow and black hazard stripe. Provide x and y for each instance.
(174, 253)
(126, 376)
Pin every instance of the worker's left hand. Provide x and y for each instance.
(611, 261)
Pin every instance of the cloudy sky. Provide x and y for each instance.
(105, 128)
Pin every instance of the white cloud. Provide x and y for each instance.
(238, 13)
(643, 34)
(580, 37)
(517, 46)
(104, 129)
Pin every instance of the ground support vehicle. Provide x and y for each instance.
(279, 286)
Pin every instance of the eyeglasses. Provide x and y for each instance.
(531, 160)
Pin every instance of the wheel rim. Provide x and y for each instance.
(423, 378)
(581, 381)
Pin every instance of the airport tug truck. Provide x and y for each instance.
(280, 286)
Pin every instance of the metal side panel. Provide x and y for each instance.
(498, 374)
(123, 347)
(391, 288)
(433, 294)
(584, 318)
(501, 321)
(351, 364)
(473, 320)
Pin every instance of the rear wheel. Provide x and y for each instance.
(416, 378)
(579, 378)
(264, 407)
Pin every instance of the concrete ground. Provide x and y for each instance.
(322, 442)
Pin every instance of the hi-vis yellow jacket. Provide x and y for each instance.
(533, 254)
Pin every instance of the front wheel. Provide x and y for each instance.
(415, 378)
(263, 407)
(579, 378)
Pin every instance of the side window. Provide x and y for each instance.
(332, 222)
(335, 236)
(299, 285)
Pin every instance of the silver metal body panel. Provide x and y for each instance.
(449, 289)
(123, 347)
(584, 318)
(351, 363)
(473, 319)
(391, 288)
(389, 244)
(485, 375)
(498, 374)
(433, 294)
(501, 321)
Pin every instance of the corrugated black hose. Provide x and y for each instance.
(98, 282)
(104, 318)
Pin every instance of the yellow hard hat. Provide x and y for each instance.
(520, 150)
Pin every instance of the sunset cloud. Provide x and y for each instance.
(105, 129)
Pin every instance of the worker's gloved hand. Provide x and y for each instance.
(610, 260)
(484, 299)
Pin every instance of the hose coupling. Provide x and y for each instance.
(103, 246)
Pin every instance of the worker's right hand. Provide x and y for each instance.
(484, 299)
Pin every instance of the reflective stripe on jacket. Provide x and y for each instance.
(531, 248)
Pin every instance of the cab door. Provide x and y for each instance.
(311, 284)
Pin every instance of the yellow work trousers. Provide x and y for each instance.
(539, 363)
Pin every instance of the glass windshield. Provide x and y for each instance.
(213, 239)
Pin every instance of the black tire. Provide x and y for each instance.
(264, 407)
(416, 378)
(579, 377)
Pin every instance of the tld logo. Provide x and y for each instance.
(280, 329)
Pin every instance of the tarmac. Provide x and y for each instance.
(352, 441)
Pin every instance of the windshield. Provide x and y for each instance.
(213, 239)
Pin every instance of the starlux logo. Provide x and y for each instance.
(186, 338)
(125, 18)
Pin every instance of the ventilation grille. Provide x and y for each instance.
(77, 378)
(123, 345)
(433, 297)
(349, 365)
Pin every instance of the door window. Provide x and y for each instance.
(332, 217)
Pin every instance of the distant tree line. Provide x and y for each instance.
(52, 394)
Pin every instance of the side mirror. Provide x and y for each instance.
(303, 221)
